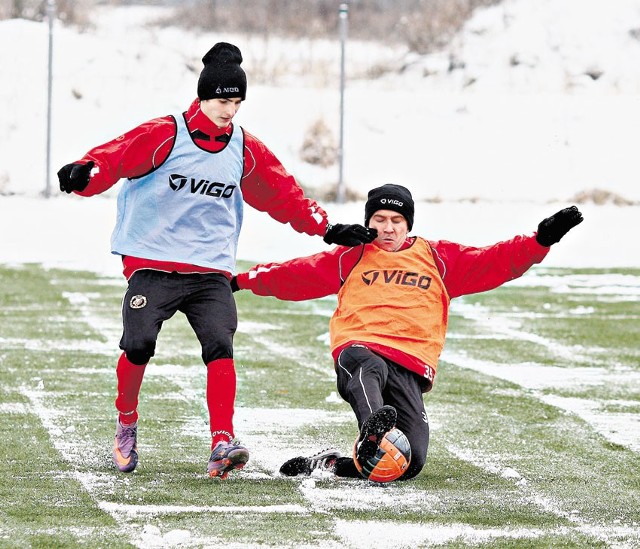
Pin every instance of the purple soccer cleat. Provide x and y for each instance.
(225, 457)
(125, 447)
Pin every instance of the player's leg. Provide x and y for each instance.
(404, 392)
(151, 298)
(211, 312)
(361, 378)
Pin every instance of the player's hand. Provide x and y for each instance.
(75, 177)
(234, 284)
(552, 229)
(349, 235)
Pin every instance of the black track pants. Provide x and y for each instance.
(368, 381)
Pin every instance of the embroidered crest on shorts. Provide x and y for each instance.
(137, 302)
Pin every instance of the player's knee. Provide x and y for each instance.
(140, 354)
(419, 449)
(416, 465)
(216, 352)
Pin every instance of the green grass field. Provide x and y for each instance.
(535, 420)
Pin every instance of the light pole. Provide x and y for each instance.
(344, 24)
(51, 10)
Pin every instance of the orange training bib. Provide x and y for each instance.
(395, 299)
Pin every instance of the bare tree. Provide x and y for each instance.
(422, 25)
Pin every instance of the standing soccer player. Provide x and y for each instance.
(180, 211)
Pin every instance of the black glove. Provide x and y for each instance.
(234, 284)
(553, 228)
(75, 177)
(349, 235)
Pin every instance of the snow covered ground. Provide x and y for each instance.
(518, 131)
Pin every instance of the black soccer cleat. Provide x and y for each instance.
(373, 430)
(324, 460)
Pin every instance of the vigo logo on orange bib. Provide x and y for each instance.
(397, 277)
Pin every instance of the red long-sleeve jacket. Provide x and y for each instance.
(463, 269)
(266, 185)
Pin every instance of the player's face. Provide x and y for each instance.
(221, 111)
(392, 229)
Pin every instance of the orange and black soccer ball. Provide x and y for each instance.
(391, 460)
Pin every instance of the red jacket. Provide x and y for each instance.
(266, 185)
(464, 270)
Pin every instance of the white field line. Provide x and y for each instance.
(90, 347)
(625, 286)
(137, 510)
(56, 423)
(358, 534)
(491, 464)
(619, 428)
(510, 327)
(291, 355)
(67, 446)
(103, 325)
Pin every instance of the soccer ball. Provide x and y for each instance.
(391, 460)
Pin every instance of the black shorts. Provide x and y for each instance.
(155, 296)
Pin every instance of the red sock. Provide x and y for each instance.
(129, 381)
(221, 395)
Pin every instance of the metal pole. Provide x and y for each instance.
(344, 23)
(51, 9)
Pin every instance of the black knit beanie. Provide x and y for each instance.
(390, 197)
(222, 76)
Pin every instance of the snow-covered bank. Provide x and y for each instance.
(72, 232)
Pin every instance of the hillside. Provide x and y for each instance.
(512, 110)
